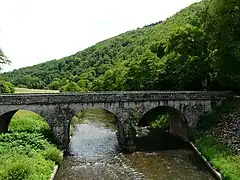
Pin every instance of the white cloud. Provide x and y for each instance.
(34, 31)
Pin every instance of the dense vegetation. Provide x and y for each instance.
(222, 157)
(26, 151)
(6, 87)
(196, 49)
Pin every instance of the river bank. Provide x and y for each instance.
(27, 151)
(219, 139)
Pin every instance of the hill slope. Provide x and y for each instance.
(95, 60)
(181, 53)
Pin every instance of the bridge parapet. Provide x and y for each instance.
(58, 109)
(110, 97)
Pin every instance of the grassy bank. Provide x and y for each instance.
(25, 90)
(26, 151)
(213, 147)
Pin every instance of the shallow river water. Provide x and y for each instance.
(95, 156)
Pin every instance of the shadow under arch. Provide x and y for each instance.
(177, 126)
(5, 120)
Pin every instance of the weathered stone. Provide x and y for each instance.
(58, 110)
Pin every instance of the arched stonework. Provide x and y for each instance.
(58, 109)
(177, 122)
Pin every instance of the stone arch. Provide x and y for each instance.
(92, 107)
(85, 106)
(6, 118)
(178, 123)
(109, 107)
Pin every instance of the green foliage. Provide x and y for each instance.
(6, 87)
(196, 49)
(25, 121)
(71, 87)
(54, 85)
(52, 154)
(162, 121)
(131, 61)
(216, 152)
(222, 22)
(26, 152)
(22, 167)
(18, 170)
(220, 157)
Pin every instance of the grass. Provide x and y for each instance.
(26, 151)
(25, 90)
(220, 156)
(216, 152)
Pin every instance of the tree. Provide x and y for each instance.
(189, 62)
(70, 87)
(142, 72)
(55, 85)
(6, 87)
(3, 59)
(222, 25)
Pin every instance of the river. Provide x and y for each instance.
(95, 156)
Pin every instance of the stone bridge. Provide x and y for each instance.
(59, 109)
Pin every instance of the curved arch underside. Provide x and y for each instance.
(5, 120)
(177, 122)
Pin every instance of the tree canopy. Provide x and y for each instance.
(196, 49)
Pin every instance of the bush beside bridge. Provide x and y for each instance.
(26, 151)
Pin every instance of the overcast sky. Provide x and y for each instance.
(34, 31)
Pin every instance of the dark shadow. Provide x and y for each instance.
(171, 136)
(157, 140)
(5, 120)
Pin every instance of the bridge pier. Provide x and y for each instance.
(60, 124)
(126, 132)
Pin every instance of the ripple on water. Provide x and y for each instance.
(96, 158)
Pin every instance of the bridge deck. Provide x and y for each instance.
(116, 96)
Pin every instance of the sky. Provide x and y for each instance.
(35, 31)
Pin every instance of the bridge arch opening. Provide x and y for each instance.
(94, 129)
(162, 127)
(21, 120)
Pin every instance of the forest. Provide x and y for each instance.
(195, 49)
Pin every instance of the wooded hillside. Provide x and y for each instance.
(196, 49)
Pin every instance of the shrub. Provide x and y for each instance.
(71, 87)
(52, 154)
(26, 152)
(161, 122)
(16, 170)
(220, 156)
(27, 121)
(6, 87)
